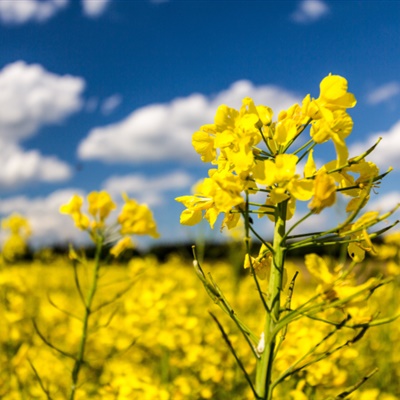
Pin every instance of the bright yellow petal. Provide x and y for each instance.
(356, 252)
(190, 217)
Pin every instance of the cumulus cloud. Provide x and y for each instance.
(310, 11)
(30, 98)
(160, 132)
(110, 104)
(94, 8)
(383, 93)
(150, 190)
(19, 167)
(16, 12)
(384, 202)
(48, 225)
(387, 152)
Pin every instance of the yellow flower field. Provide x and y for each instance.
(156, 340)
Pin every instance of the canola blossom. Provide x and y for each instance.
(233, 144)
(134, 219)
(19, 230)
(253, 153)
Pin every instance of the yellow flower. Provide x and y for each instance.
(285, 131)
(123, 244)
(358, 188)
(319, 269)
(334, 95)
(17, 224)
(233, 134)
(282, 178)
(203, 142)
(324, 192)
(282, 170)
(358, 232)
(73, 208)
(217, 194)
(337, 128)
(137, 219)
(100, 204)
(74, 205)
(261, 264)
(14, 247)
(310, 168)
(392, 238)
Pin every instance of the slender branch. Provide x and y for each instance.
(51, 345)
(266, 244)
(77, 282)
(66, 312)
(217, 296)
(296, 224)
(39, 379)
(113, 299)
(232, 349)
(287, 307)
(353, 388)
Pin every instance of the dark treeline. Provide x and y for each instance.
(205, 251)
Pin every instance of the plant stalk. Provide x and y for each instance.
(80, 359)
(265, 364)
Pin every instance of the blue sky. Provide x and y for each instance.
(105, 94)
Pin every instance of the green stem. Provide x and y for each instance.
(265, 363)
(80, 359)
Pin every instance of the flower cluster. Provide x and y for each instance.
(231, 144)
(252, 153)
(20, 230)
(134, 218)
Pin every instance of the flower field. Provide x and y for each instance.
(261, 325)
(152, 337)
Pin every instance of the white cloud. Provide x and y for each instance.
(386, 153)
(110, 104)
(384, 202)
(94, 8)
(31, 97)
(146, 189)
(20, 167)
(163, 131)
(48, 225)
(383, 93)
(310, 11)
(17, 12)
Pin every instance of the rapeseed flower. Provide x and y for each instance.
(73, 208)
(214, 195)
(137, 219)
(134, 219)
(16, 243)
(324, 192)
